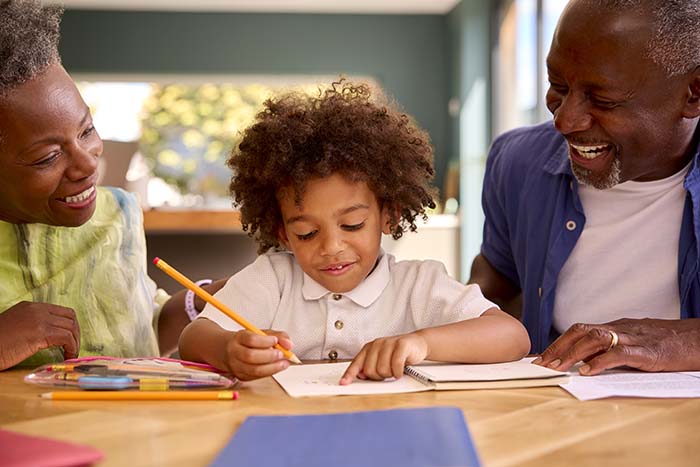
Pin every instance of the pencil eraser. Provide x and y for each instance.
(155, 260)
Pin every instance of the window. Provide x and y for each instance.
(183, 130)
(524, 34)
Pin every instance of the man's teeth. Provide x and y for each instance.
(80, 196)
(590, 152)
(337, 268)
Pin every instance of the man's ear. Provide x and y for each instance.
(692, 103)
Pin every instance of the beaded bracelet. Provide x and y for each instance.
(189, 300)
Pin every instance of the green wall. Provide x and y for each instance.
(407, 54)
(470, 29)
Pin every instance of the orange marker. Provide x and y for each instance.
(207, 297)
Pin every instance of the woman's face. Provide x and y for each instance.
(48, 153)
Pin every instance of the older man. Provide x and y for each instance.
(596, 218)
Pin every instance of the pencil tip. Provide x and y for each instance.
(155, 260)
(295, 359)
(46, 395)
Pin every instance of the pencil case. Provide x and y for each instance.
(145, 374)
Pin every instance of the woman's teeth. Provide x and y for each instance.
(590, 152)
(80, 196)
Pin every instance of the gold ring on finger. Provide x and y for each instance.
(614, 340)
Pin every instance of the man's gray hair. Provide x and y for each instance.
(29, 35)
(675, 42)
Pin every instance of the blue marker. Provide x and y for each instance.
(104, 382)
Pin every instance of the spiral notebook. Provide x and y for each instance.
(322, 379)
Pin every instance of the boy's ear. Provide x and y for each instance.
(282, 237)
(386, 220)
(692, 103)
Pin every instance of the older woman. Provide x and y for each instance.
(73, 274)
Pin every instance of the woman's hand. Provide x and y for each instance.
(386, 357)
(28, 327)
(252, 356)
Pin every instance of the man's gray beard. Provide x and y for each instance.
(600, 182)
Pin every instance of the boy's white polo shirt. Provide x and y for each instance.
(396, 298)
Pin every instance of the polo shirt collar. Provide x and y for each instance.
(364, 294)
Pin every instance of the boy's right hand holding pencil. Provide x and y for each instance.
(251, 356)
(247, 355)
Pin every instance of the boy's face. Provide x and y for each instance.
(336, 232)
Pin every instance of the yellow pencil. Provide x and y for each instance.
(207, 297)
(140, 395)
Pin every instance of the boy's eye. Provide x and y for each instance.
(307, 236)
(352, 227)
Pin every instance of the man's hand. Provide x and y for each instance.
(28, 327)
(386, 357)
(251, 356)
(645, 344)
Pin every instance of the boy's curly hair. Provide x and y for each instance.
(297, 138)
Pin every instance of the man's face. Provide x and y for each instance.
(335, 233)
(48, 153)
(623, 117)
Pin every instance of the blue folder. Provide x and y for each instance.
(423, 437)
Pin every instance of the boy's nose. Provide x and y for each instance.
(331, 245)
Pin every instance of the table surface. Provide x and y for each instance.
(515, 427)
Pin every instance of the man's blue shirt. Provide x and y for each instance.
(534, 217)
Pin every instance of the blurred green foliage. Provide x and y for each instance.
(188, 132)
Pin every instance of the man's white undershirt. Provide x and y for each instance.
(625, 264)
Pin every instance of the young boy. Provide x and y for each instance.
(321, 178)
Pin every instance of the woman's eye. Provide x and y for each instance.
(88, 131)
(307, 236)
(353, 227)
(47, 160)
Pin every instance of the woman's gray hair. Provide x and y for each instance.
(29, 35)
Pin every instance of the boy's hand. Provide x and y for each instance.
(252, 356)
(386, 357)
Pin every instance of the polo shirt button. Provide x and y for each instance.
(337, 296)
(333, 355)
(570, 225)
(338, 325)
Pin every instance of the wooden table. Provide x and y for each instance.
(516, 427)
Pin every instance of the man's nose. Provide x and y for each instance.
(573, 115)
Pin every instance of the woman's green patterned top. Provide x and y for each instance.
(97, 269)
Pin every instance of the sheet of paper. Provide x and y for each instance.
(634, 384)
(321, 379)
